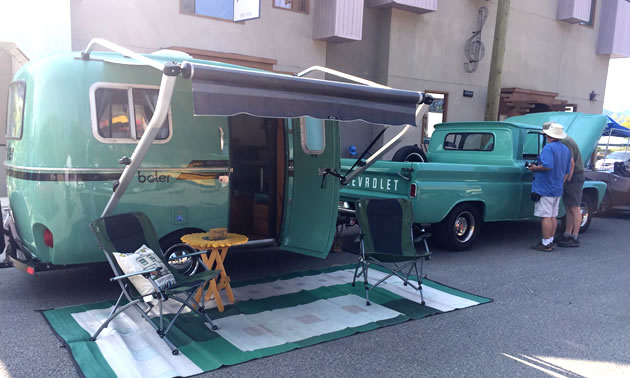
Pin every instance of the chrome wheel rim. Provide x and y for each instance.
(184, 265)
(585, 213)
(464, 226)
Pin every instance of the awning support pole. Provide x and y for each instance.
(159, 116)
(377, 155)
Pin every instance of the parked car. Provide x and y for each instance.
(617, 182)
(607, 163)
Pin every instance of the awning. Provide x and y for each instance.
(229, 91)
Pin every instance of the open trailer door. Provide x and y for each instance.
(310, 216)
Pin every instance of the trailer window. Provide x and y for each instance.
(15, 110)
(313, 135)
(115, 107)
(469, 141)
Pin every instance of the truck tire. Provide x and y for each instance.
(461, 227)
(410, 153)
(587, 208)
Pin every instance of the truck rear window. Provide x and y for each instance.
(15, 110)
(469, 141)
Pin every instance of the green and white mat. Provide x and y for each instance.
(270, 316)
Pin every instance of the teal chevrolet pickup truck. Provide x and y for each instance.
(475, 173)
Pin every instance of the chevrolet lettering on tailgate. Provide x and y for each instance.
(382, 184)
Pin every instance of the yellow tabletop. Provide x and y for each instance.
(201, 240)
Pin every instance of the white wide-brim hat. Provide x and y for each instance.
(554, 130)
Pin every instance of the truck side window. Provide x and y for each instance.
(469, 141)
(534, 142)
(313, 135)
(15, 110)
(115, 107)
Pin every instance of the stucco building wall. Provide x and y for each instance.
(146, 26)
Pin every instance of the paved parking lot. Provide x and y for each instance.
(564, 313)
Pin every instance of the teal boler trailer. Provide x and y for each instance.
(193, 144)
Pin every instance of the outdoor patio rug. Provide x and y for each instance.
(270, 316)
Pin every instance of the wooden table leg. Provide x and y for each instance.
(225, 279)
(212, 289)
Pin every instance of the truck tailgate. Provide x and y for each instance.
(385, 179)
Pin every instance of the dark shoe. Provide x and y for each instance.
(558, 238)
(543, 248)
(569, 243)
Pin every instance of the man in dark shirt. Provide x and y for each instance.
(549, 176)
(572, 195)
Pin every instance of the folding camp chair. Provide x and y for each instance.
(125, 233)
(387, 241)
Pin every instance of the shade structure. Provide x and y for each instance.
(615, 129)
(229, 91)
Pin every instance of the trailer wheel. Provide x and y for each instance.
(410, 153)
(173, 247)
(461, 227)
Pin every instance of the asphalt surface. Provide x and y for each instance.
(564, 313)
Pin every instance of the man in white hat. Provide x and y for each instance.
(549, 177)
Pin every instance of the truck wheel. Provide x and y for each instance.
(173, 247)
(586, 207)
(410, 153)
(461, 227)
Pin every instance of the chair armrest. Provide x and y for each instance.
(186, 255)
(143, 272)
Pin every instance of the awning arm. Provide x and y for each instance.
(377, 155)
(340, 74)
(85, 54)
(169, 76)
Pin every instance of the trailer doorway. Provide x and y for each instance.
(257, 159)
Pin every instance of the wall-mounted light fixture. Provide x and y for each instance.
(593, 96)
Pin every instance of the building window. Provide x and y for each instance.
(113, 105)
(469, 141)
(15, 110)
(437, 112)
(300, 6)
(218, 9)
(591, 18)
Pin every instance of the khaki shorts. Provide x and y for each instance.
(547, 207)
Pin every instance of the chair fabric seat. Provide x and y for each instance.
(389, 258)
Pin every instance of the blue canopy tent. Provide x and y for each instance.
(614, 129)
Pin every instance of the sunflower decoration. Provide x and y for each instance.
(207, 240)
